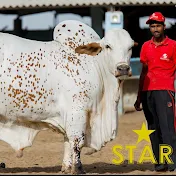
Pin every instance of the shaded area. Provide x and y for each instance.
(99, 168)
(54, 169)
(103, 168)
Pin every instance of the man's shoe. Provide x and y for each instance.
(161, 168)
(173, 170)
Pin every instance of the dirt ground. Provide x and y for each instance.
(45, 156)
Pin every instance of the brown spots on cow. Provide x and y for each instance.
(70, 65)
(70, 59)
(25, 81)
(81, 96)
(26, 89)
(10, 95)
(67, 67)
(9, 69)
(77, 72)
(10, 86)
(20, 83)
(72, 45)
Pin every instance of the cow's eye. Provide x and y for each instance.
(107, 46)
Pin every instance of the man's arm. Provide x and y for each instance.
(141, 83)
(174, 54)
(141, 79)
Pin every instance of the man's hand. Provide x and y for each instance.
(137, 105)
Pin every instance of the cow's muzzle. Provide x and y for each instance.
(123, 70)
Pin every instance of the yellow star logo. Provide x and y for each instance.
(143, 134)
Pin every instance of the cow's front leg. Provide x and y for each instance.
(67, 160)
(76, 146)
(76, 135)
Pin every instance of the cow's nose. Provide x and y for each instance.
(122, 68)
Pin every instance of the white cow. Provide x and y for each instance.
(69, 84)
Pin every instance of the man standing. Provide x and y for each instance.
(156, 89)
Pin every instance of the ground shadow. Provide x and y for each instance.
(102, 168)
(36, 169)
(98, 168)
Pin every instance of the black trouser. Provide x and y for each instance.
(158, 107)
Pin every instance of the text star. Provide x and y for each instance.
(143, 133)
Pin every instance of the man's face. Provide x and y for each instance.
(157, 29)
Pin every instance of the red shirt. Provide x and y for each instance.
(161, 61)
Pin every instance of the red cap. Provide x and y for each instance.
(156, 16)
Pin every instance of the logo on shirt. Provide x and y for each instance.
(164, 57)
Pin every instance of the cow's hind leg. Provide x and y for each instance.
(67, 160)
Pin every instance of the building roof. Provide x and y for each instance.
(11, 4)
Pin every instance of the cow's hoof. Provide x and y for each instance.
(19, 153)
(2, 165)
(66, 169)
(77, 170)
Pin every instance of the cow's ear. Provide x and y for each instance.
(91, 49)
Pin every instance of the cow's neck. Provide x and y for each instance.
(105, 123)
(110, 83)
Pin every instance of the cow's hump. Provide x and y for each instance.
(74, 33)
